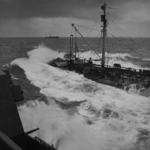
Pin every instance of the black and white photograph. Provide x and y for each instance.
(74, 74)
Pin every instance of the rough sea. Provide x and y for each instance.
(72, 112)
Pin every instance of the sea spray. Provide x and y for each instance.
(108, 119)
(73, 132)
(111, 58)
(51, 120)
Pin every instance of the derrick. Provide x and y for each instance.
(103, 19)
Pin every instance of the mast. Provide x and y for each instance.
(103, 19)
(71, 45)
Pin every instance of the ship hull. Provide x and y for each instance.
(128, 79)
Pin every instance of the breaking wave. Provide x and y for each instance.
(111, 58)
(146, 59)
(80, 113)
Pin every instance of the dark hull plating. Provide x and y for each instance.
(123, 78)
(12, 135)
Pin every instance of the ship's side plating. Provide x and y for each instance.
(12, 135)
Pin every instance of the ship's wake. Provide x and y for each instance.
(81, 114)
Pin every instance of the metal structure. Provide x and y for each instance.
(116, 75)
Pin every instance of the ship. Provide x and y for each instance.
(12, 134)
(128, 79)
(52, 37)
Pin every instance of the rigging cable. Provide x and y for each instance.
(120, 40)
(108, 46)
(112, 43)
(124, 43)
(115, 46)
(97, 43)
(122, 30)
(86, 41)
(93, 27)
(127, 36)
(95, 46)
(87, 27)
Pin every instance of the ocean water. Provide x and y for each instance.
(72, 112)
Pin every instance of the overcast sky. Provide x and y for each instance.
(39, 18)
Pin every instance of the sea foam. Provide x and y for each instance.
(107, 119)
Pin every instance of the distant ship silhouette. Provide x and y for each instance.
(54, 37)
